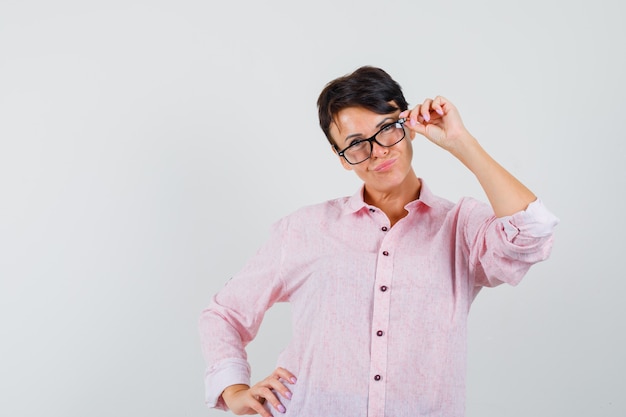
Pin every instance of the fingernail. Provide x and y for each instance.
(281, 408)
(412, 122)
(293, 380)
(440, 112)
(288, 395)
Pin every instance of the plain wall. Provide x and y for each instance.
(147, 146)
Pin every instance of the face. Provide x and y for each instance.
(387, 168)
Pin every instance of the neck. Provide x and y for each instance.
(392, 201)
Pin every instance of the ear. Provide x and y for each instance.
(345, 165)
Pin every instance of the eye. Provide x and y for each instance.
(388, 127)
(357, 145)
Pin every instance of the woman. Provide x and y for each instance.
(380, 282)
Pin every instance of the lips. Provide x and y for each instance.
(385, 165)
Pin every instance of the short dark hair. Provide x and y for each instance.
(368, 87)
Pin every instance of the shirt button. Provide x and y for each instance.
(372, 210)
(385, 253)
(379, 333)
(383, 288)
(384, 228)
(377, 377)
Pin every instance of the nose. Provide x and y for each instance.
(378, 150)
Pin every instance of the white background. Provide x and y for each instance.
(147, 146)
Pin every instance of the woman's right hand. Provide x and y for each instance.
(242, 399)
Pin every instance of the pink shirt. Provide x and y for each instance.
(379, 312)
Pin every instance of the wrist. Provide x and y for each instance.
(230, 391)
(466, 148)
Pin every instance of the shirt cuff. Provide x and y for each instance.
(224, 374)
(535, 222)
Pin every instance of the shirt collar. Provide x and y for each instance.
(356, 203)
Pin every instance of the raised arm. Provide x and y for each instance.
(439, 120)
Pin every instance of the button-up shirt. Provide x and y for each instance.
(379, 313)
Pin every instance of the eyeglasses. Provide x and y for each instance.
(361, 150)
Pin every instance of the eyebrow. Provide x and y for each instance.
(382, 122)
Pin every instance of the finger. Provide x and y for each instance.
(258, 407)
(413, 124)
(411, 116)
(265, 392)
(286, 375)
(425, 109)
(277, 384)
(437, 105)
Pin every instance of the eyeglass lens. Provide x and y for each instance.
(362, 150)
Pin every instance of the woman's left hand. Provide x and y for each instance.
(438, 120)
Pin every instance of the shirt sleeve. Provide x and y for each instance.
(503, 249)
(234, 316)
(535, 221)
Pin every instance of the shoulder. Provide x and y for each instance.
(446, 207)
(465, 210)
(317, 214)
(440, 206)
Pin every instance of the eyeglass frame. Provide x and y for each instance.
(371, 139)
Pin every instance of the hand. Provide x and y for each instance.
(242, 399)
(439, 121)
